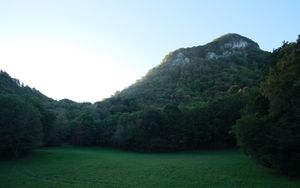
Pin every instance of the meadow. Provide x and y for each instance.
(104, 167)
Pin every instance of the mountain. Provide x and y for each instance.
(230, 63)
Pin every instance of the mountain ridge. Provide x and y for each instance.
(222, 46)
(224, 57)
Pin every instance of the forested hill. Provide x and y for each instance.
(230, 63)
(9, 85)
(206, 97)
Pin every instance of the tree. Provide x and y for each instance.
(52, 132)
(272, 136)
(149, 131)
(254, 137)
(125, 133)
(210, 125)
(173, 127)
(20, 126)
(83, 131)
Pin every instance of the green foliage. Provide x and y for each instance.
(271, 134)
(125, 133)
(174, 127)
(204, 126)
(210, 125)
(150, 131)
(20, 126)
(254, 136)
(83, 131)
(188, 74)
(141, 130)
(52, 132)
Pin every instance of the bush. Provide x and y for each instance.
(254, 136)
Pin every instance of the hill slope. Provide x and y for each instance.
(9, 85)
(201, 73)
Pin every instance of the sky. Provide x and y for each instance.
(86, 50)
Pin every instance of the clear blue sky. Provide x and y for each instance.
(85, 50)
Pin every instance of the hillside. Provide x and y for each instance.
(9, 85)
(229, 63)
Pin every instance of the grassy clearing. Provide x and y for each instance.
(101, 167)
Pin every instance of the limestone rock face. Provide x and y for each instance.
(179, 59)
(212, 55)
(222, 47)
(235, 44)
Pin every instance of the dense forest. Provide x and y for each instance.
(224, 94)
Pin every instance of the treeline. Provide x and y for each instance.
(171, 128)
(26, 123)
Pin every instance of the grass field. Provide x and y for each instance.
(101, 167)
